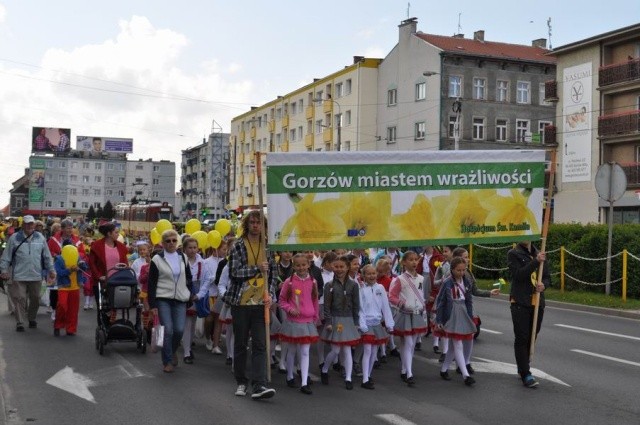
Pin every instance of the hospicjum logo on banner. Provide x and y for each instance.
(362, 199)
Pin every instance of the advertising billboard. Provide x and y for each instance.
(104, 144)
(48, 140)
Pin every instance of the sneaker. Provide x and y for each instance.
(53, 316)
(85, 308)
(241, 391)
(445, 376)
(368, 385)
(19, 327)
(209, 344)
(261, 392)
(469, 381)
(529, 381)
(216, 350)
(305, 389)
(348, 385)
(33, 324)
(90, 306)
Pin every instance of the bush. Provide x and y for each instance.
(588, 241)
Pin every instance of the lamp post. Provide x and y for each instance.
(339, 144)
(457, 108)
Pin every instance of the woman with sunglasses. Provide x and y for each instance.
(170, 289)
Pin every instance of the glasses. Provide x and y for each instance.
(170, 240)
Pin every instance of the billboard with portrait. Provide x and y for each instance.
(48, 140)
(98, 144)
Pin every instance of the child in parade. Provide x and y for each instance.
(455, 317)
(341, 315)
(326, 269)
(200, 289)
(442, 272)
(383, 271)
(69, 280)
(374, 312)
(299, 299)
(406, 295)
(354, 274)
(213, 266)
(225, 313)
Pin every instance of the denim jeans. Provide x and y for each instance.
(172, 314)
(249, 320)
(522, 317)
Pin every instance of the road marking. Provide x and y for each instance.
(394, 419)
(635, 338)
(602, 356)
(78, 384)
(483, 329)
(492, 366)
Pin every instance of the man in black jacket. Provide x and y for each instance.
(524, 261)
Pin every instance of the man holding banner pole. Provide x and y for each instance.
(250, 270)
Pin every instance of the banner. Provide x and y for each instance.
(103, 144)
(325, 200)
(577, 110)
(47, 140)
(37, 167)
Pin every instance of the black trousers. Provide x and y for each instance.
(249, 320)
(522, 317)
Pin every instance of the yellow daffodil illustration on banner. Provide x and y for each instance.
(511, 211)
(459, 211)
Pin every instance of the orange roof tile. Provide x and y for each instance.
(488, 48)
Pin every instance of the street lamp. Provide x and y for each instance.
(339, 122)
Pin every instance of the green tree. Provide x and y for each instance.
(91, 214)
(100, 213)
(108, 212)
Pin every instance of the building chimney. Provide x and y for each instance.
(478, 35)
(407, 27)
(357, 59)
(458, 35)
(540, 42)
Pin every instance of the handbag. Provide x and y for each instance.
(199, 331)
(157, 335)
(202, 307)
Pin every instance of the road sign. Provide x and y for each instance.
(611, 181)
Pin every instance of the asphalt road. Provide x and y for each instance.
(587, 364)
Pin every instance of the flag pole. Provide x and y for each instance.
(265, 293)
(543, 247)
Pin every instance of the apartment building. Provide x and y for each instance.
(336, 112)
(597, 90)
(493, 92)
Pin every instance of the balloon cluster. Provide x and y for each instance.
(193, 227)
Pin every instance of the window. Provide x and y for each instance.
(421, 91)
(278, 139)
(156, 181)
(85, 165)
(292, 135)
(97, 192)
(542, 96)
(73, 178)
(309, 127)
(63, 164)
(319, 95)
(73, 191)
(110, 166)
(339, 90)
(502, 91)
(455, 86)
(300, 132)
(74, 164)
(300, 105)
(522, 130)
(155, 168)
(138, 180)
(97, 165)
(73, 204)
(294, 108)
(85, 192)
(391, 134)
(96, 205)
(318, 126)
(347, 118)
(108, 192)
(501, 130)
(48, 190)
(121, 167)
(49, 163)
(61, 177)
(97, 179)
(346, 146)
(523, 93)
(419, 131)
(48, 204)
(85, 179)
(479, 85)
(478, 128)
(121, 193)
(392, 97)
(61, 204)
(108, 179)
(541, 126)
(155, 194)
(452, 126)
(337, 119)
(139, 167)
(278, 113)
(347, 87)
(85, 205)
(121, 180)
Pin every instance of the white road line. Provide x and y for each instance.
(635, 338)
(483, 329)
(602, 356)
(394, 419)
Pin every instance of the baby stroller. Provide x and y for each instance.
(120, 294)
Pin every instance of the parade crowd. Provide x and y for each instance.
(354, 308)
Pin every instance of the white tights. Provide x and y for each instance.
(458, 353)
(187, 335)
(347, 360)
(369, 356)
(303, 351)
(407, 346)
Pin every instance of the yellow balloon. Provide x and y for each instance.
(154, 236)
(192, 226)
(70, 255)
(201, 237)
(163, 225)
(223, 226)
(214, 238)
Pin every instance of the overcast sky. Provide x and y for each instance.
(161, 71)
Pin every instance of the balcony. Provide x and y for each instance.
(619, 73)
(242, 135)
(241, 158)
(551, 91)
(285, 121)
(550, 132)
(253, 133)
(327, 106)
(272, 126)
(626, 123)
(327, 135)
(308, 141)
(632, 171)
(240, 179)
(309, 112)
(284, 147)
(252, 178)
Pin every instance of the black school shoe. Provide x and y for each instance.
(305, 390)
(368, 385)
(445, 376)
(291, 383)
(324, 378)
(348, 385)
(33, 324)
(188, 359)
(19, 327)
